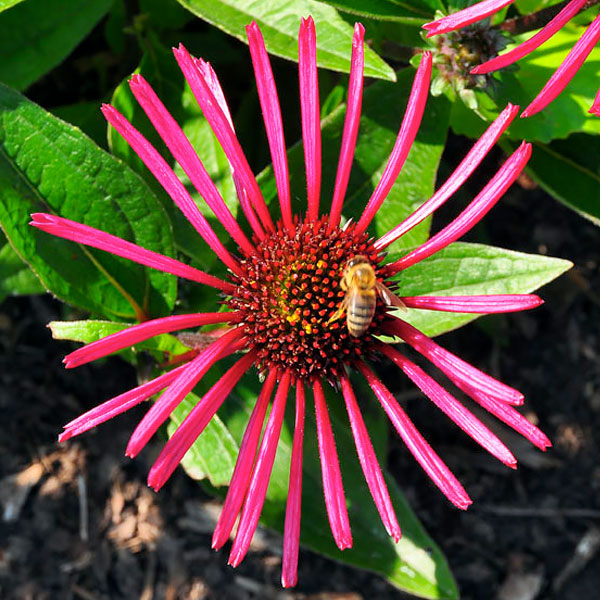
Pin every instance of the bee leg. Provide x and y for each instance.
(339, 312)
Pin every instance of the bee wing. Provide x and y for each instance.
(389, 297)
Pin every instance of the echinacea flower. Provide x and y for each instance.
(283, 292)
(565, 72)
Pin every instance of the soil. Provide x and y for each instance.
(79, 522)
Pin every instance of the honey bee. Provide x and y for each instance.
(359, 281)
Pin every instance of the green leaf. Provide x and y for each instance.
(570, 172)
(159, 67)
(472, 269)
(383, 108)
(16, 278)
(37, 35)
(565, 115)
(413, 13)
(50, 166)
(214, 453)
(89, 331)
(415, 564)
(86, 116)
(5, 4)
(279, 21)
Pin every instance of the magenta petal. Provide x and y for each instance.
(476, 154)
(261, 475)
(89, 236)
(355, 90)
(184, 153)
(465, 17)
(179, 389)
(225, 134)
(492, 303)
(369, 463)
(595, 108)
(406, 137)
(563, 75)
(552, 27)
(170, 182)
(138, 333)
(117, 405)
(293, 511)
(269, 102)
(311, 113)
(194, 424)
(513, 418)
(455, 368)
(244, 464)
(433, 465)
(451, 407)
(476, 210)
(333, 488)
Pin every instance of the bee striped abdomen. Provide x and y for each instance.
(360, 312)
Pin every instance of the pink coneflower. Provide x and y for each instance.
(282, 292)
(561, 77)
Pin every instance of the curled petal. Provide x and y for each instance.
(456, 369)
(89, 236)
(260, 476)
(369, 463)
(595, 108)
(311, 113)
(269, 102)
(138, 333)
(492, 303)
(355, 90)
(561, 77)
(465, 17)
(195, 423)
(170, 182)
(333, 488)
(433, 465)
(406, 137)
(552, 27)
(451, 407)
(293, 510)
(179, 389)
(243, 466)
(477, 153)
(476, 210)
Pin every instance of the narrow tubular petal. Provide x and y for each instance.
(269, 103)
(195, 423)
(369, 463)
(170, 182)
(184, 153)
(117, 405)
(451, 407)
(179, 389)
(477, 153)
(293, 511)
(138, 333)
(561, 77)
(476, 210)
(243, 466)
(261, 475)
(492, 303)
(311, 113)
(433, 465)
(465, 17)
(406, 137)
(225, 134)
(595, 108)
(353, 109)
(333, 488)
(514, 419)
(556, 24)
(456, 369)
(89, 236)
